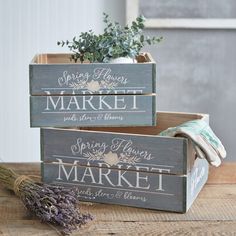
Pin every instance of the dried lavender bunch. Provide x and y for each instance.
(56, 205)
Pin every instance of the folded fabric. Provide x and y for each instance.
(205, 142)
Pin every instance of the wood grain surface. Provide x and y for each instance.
(213, 213)
(92, 111)
(56, 73)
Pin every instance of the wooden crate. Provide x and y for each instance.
(127, 166)
(65, 94)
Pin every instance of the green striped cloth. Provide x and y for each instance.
(206, 144)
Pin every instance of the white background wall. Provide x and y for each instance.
(28, 27)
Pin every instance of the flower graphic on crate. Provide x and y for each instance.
(93, 86)
(80, 84)
(108, 84)
(128, 159)
(111, 158)
(94, 156)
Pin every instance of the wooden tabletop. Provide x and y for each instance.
(213, 213)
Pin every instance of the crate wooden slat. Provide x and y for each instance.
(70, 111)
(56, 73)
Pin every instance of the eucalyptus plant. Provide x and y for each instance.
(116, 41)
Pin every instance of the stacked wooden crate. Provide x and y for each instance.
(65, 94)
(105, 134)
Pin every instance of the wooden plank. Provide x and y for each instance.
(163, 228)
(196, 179)
(24, 168)
(33, 227)
(115, 150)
(123, 187)
(209, 191)
(65, 58)
(218, 191)
(226, 174)
(26, 228)
(213, 204)
(156, 228)
(55, 73)
(100, 110)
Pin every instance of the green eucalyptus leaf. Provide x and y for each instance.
(142, 38)
(116, 41)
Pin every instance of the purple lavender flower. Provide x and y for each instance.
(52, 204)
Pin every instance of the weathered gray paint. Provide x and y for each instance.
(188, 9)
(59, 77)
(133, 110)
(200, 66)
(195, 180)
(156, 191)
(160, 153)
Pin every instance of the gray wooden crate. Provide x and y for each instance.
(65, 94)
(127, 166)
